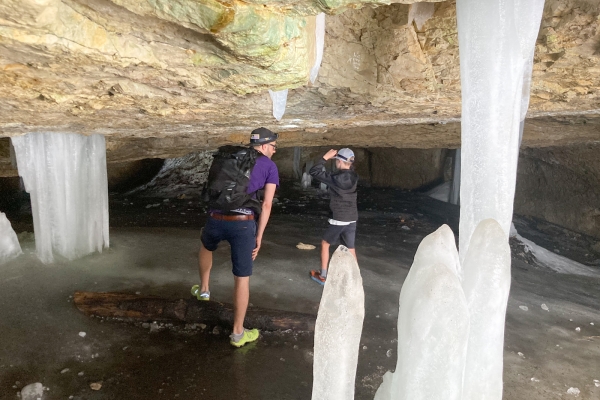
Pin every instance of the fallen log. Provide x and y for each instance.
(152, 308)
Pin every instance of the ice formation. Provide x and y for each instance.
(338, 329)
(66, 176)
(279, 99)
(9, 243)
(433, 326)
(319, 44)
(454, 196)
(496, 42)
(296, 165)
(420, 13)
(486, 284)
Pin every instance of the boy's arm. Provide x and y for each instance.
(317, 170)
(267, 204)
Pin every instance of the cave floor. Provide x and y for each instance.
(153, 251)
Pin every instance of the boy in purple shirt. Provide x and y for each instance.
(244, 234)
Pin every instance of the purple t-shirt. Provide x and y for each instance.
(265, 171)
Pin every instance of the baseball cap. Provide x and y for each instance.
(262, 136)
(345, 154)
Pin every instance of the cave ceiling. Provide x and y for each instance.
(161, 78)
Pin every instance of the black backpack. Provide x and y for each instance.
(228, 180)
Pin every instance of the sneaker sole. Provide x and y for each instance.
(317, 280)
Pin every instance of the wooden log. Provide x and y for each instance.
(152, 308)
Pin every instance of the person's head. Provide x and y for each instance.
(344, 159)
(264, 141)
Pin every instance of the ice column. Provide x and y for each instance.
(279, 100)
(454, 196)
(433, 326)
(496, 41)
(297, 159)
(66, 177)
(9, 243)
(319, 44)
(338, 329)
(420, 13)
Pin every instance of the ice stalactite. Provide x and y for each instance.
(433, 326)
(65, 175)
(319, 44)
(296, 166)
(338, 329)
(496, 42)
(420, 13)
(9, 243)
(454, 195)
(279, 99)
(306, 178)
(486, 284)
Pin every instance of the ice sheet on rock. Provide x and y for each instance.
(319, 44)
(9, 243)
(486, 284)
(279, 99)
(433, 326)
(420, 13)
(492, 79)
(338, 329)
(65, 175)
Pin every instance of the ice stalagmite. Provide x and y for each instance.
(486, 283)
(433, 326)
(66, 177)
(9, 243)
(496, 41)
(319, 44)
(338, 329)
(279, 99)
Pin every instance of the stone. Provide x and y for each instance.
(33, 391)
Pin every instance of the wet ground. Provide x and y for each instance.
(154, 244)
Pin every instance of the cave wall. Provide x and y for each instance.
(561, 185)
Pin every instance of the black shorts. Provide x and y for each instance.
(343, 234)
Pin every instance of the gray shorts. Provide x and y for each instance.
(343, 234)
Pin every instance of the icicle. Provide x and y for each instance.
(454, 196)
(297, 158)
(9, 243)
(420, 13)
(66, 177)
(306, 178)
(279, 100)
(319, 44)
(338, 329)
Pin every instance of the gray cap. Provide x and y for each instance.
(345, 154)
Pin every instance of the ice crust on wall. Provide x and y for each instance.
(65, 174)
(433, 326)
(279, 99)
(338, 329)
(492, 84)
(319, 44)
(9, 243)
(486, 284)
(420, 13)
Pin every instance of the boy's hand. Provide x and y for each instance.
(330, 154)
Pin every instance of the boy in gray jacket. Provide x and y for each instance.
(343, 210)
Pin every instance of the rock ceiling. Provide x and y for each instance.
(160, 78)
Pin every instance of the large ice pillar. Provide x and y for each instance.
(66, 176)
(486, 283)
(433, 326)
(279, 99)
(338, 329)
(496, 41)
(9, 243)
(319, 44)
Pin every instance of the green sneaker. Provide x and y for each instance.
(203, 296)
(250, 335)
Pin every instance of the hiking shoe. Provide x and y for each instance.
(250, 335)
(203, 296)
(316, 276)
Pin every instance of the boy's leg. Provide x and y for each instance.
(205, 260)
(324, 258)
(241, 296)
(210, 237)
(347, 238)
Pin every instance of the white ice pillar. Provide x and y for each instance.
(319, 45)
(338, 329)
(65, 175)
(496, 40)
(9, 243)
